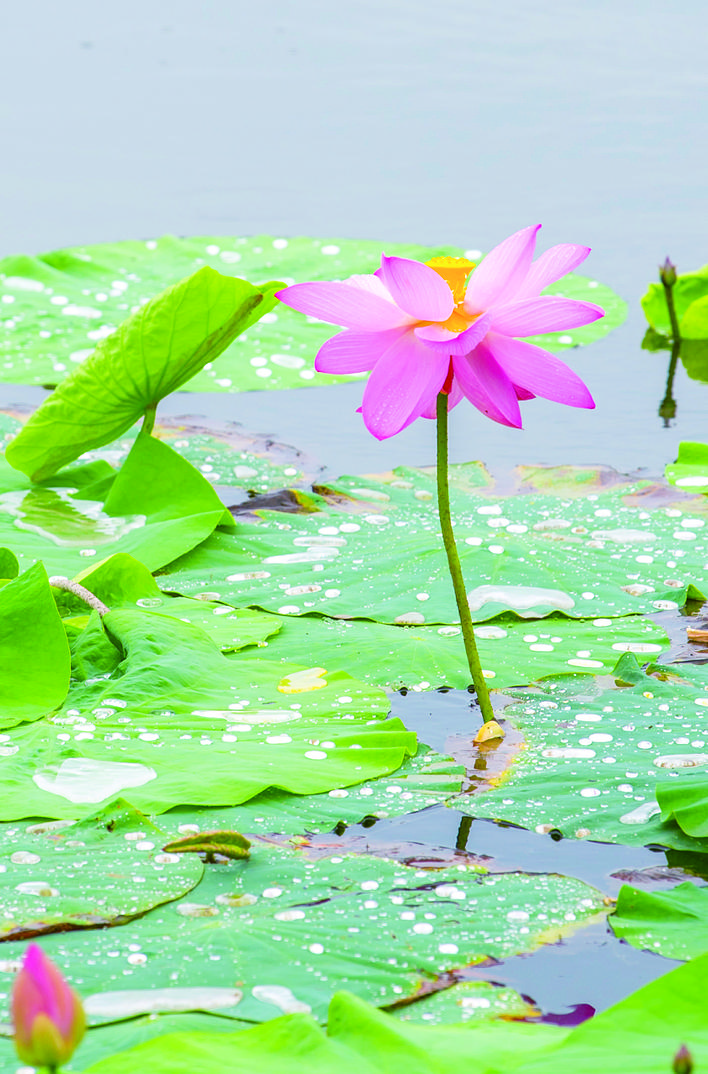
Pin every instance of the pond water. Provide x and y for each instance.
(454, 122)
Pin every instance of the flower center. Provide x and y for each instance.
(454, 271)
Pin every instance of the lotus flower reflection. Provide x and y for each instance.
(421, 331)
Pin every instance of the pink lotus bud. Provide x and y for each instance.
(667, 273)
(683, 1061)
(47, 1014)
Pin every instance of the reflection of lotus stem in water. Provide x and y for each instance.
(667, 407)
(453, 560)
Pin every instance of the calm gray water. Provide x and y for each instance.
(455, 121)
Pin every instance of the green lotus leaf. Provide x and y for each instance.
(428, 657)
(374, 551)
(83, 294)
(155, 351)
(158, 506)
(669, 923)
(291, 930)
(690, 288)
(34, 654)
(57, 877)
(597, 757)
(174, 721)
(640, 1035)
(690, 471)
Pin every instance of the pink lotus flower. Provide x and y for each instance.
(47, 1015)
(421, 331)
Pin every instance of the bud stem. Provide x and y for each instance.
(453, 560)
(668, 281)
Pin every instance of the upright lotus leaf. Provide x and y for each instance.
(596, 758)
(117, 580)
(690, 293)
(374, 551)
(121, 581)
(156, 482)
(34, 653)
(82, 294)
(640, 1035)
(105, 1041)
(9, 567)
(159, 348)
(176, 722)
(669, 923)
(93, 655)
(102, 871)
(360, 1040)
(690, 471)
(291, 930)
(686, 801)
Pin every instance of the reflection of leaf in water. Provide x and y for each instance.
(48, 513)
(654, 341)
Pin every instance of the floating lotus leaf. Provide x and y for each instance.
(690, 471)
(105, 870)
(376, 552)
(686, 802)
(424, 780)
(596, 758)
(291, 930)
(512, 652)
(175, 722)
(81, 295)
(670, 923)
(469, 1001)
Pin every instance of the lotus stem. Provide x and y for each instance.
(149, 419)
(453, 560)
(667, 275)
(80, 591)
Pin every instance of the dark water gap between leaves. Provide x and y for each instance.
(567, 981)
